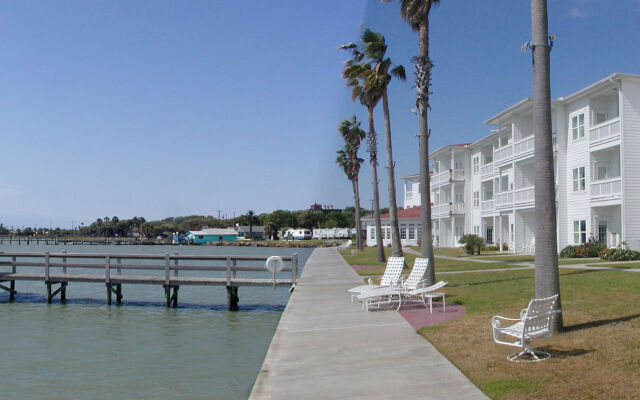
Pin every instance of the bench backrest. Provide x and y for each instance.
(417, 273)
(393, 271)
(539, 315)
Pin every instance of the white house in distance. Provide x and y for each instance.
(487, 187)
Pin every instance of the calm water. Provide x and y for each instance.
(141, 350)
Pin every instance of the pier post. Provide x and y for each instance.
(232, 298)
(48, 292)
(12, 292)
(108, 293)
(107, 277)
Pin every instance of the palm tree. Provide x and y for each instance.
(250, 219)
(416, 13)
(355, 71)
(350, 162)
(547, 280)
(373, 50)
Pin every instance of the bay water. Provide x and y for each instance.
(85, 349)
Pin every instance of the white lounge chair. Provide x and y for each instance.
(387, 295)
(535, 321)
(390, 277)
(413, 281)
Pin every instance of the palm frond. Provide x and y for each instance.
(399, 72)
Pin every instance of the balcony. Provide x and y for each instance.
(447, 176)
(524, 195)
(504, 199)
(604, 132)
(524, 147)
(487, 206)
(447, 209)
(503, 153)
(486, 170)
(606, 189)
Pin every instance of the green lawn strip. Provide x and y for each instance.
(530, 258)
(369, 257)
(621, 265)
(600, 311)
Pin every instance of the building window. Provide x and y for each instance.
(403, 231)
(577, 126)
(373, 233)
(388, 229)
(476, 164)
(476, 199)
(580, 231)
(419, 234)
(579, 179)
(412, 232)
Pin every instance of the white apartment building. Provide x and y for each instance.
(487, 187)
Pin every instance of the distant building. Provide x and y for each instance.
(332, 233)
(257, 231)
(208, 235)
(323, 207)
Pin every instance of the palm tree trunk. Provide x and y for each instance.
(547, 281)
(396, 245)
(426, 241)
(373, 152)
(356, 195)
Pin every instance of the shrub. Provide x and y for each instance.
(591, 249)
(620, 253)
(472, 243)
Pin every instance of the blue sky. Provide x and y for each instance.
(165, 108)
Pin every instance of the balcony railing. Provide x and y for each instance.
(486, 169)
(524, 195)
(447, 209)
(605, 130)
(408, 195)
(487, 205)
(458, 175)
(504, 199)
(611, 187)
(503, 153)
(523, 146)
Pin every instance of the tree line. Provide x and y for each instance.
(273, 222)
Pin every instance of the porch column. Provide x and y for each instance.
(493, 229)
(500, 231)
(453, 231)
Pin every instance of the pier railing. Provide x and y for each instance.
(55, 268)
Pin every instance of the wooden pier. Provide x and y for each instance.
(55, 270)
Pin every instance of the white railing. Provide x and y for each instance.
(487, 205)
(440, 177)
(408, 195)
(524, 195)
(440, 209)
(504, 199)
(606, 187)
(607, 129)
(458, 208)
(486, 169)
(523, 146)
(503, 153)
(458, 174)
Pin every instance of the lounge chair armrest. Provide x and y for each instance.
(371, 278)
(523, 313)
(495, 321)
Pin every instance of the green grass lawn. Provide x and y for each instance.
(623, 265)
(597, 355)
(369, 257)
(530, 258)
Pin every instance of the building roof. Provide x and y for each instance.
(407, 213)
(448, 147)
(214, 232)
(254, 228)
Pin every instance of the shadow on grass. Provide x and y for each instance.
(600, 322)
(519, 278)
(556, 353)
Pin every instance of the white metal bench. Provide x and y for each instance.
(535, 321)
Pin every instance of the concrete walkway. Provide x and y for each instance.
(327, 348)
